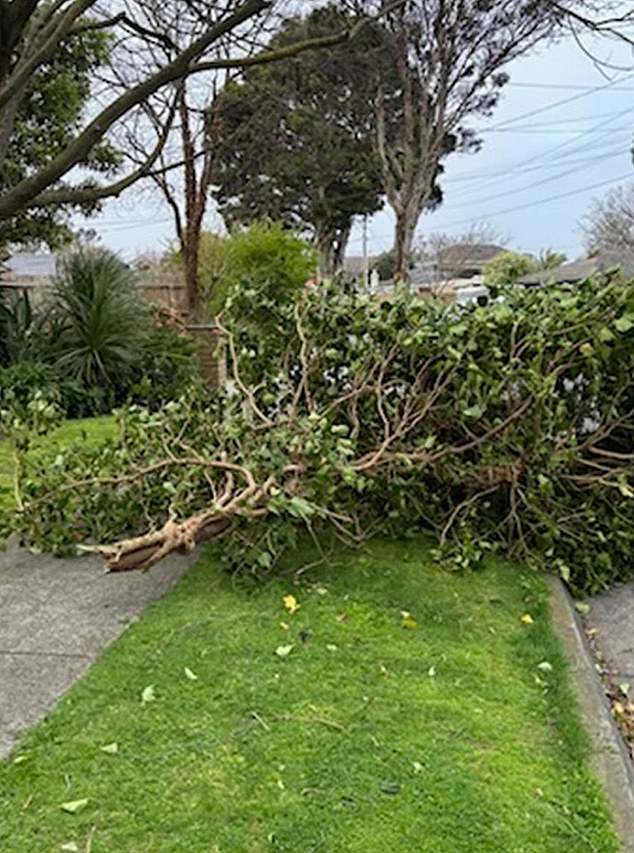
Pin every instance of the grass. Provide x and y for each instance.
(456, 734)
(89, 430)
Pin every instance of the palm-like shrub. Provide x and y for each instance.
(101, 321)
(22, 331)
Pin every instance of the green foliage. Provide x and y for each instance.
(295, 138)
(95, 348)
(267, 259)
(101, 320)
(48, 120)
(22, 331)
(505, 427)
(167, 367)
(20, 382)
(549, 259)
(384, 265)
(507, 268)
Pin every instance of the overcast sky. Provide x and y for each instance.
(574, 144)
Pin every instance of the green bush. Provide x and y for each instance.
(21, 381)
(507, 268)
(23, 333)
(166, 369)
(266, 257)
(507, 427)
(101, 321)
(96, 348)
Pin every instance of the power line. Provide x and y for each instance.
(567, 87)
(536, 203)
(561, 102)
(544, 181)
(547, 130)
(477, 176)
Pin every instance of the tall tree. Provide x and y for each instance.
(448, 56)
(46, 122)
(194, 36)
(609, 224)
(296, 141)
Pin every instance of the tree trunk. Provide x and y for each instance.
(404, 239)
(326, 252)
(339, 251)
(191, 250)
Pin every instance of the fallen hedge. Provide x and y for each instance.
(503, 427)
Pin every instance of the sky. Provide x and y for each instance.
(560, 137)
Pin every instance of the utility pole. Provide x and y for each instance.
(366, 259)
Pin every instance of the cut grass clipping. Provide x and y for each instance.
(379, 704)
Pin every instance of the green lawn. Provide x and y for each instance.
(89, 430)
(334, 728)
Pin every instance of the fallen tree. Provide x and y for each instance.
(505, 427)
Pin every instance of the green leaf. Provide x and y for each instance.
(476, 411)
(624, 323)
(582, 607)
(300, 508)
(74, 806)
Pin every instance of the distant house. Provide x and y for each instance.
(578, 271)
(465, 260)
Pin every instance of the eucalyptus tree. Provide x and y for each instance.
(450, 59)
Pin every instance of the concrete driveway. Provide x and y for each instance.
(56, 617)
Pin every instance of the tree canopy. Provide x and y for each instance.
(449, 60)
(157, 46)
(47, 121)
(296, 139)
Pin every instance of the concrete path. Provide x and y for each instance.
(612, 615)
(56, 617)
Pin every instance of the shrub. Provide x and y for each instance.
(504, 427)
(101, 321)
(507, 268)
(21, 381)
(272, 260)
(22, 331)
(166, 369)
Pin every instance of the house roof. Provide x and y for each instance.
(582, 269)
(30, 264)
(468, 255)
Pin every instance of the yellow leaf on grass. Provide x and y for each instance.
(527, 619)
(291, 603)
(110, 748)
(408, 620)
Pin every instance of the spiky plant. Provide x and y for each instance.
(102, 321)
